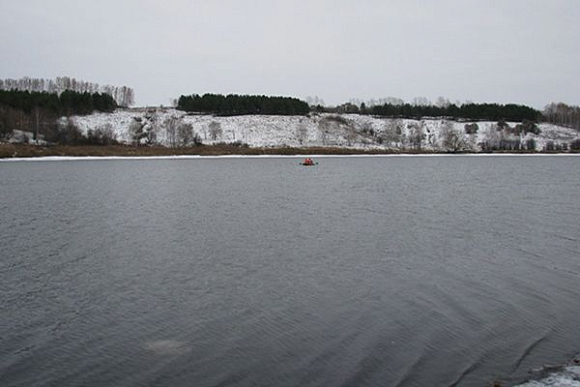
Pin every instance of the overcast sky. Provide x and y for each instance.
(522, 51)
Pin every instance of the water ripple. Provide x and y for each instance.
(375, 272)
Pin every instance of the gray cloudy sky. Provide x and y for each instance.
(522, 51)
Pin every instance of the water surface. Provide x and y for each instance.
(398, 271)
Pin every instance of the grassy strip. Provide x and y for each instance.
(25, 150)
(8, 150)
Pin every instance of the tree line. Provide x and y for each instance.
(563, 115)
(124, 96)
(67, 103)
(471, 111)
(233, 104)
(555, 113)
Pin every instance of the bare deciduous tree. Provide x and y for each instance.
(136, 131)
(562, 114)
(392, 132)
(301, 133)
(171, 125)
(215, 130)
(184, 133)
(421, 101)
(416, 134)
(452, 139)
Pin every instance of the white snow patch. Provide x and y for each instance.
(568, 377)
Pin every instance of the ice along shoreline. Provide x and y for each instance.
(281, 156)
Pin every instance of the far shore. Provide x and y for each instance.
(9, 151)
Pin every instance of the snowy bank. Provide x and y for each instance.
(173, 127)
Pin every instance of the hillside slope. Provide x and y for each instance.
(172, 127)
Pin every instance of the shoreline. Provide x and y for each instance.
(21, 152)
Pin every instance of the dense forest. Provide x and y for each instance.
(38, 112)
(67, 103)
(124, 96)
(474, 111)
(469, 111)
(233, 104)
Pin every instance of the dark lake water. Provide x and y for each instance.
(395, 271)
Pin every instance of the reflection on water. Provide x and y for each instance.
(167, 347)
